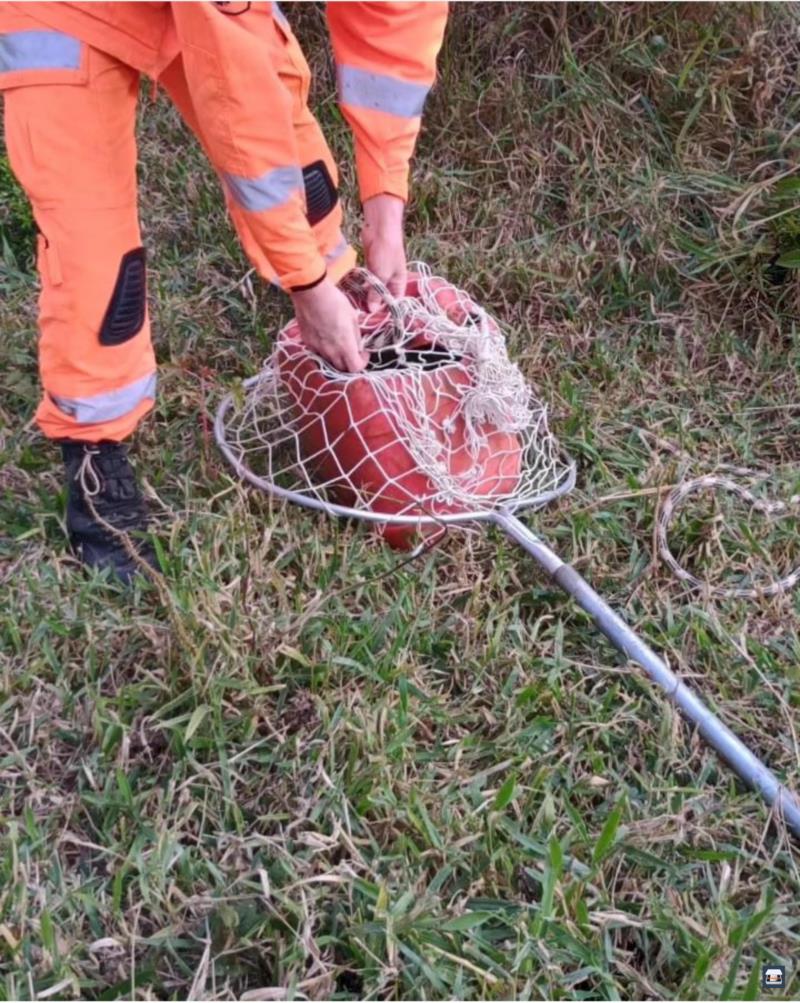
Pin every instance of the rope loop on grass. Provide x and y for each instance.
(721, 483)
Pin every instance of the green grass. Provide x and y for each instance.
(282, 770)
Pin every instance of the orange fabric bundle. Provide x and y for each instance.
(357, 446)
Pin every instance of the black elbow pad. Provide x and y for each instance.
(321, 194)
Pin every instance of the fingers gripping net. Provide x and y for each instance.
(440, 427)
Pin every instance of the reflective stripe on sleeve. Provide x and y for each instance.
(278, 14)
(38, 50)
(274, 188)
(110, 405)
(335, 253)
(364, 89)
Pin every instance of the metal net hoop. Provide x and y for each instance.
(441, 427)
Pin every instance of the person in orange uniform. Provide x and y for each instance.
(70, 73)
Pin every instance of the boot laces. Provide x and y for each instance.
(108, 479)
(87, 474)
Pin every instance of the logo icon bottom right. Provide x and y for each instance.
(773, 976)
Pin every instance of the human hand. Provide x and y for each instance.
(329, 326)
(384, 247)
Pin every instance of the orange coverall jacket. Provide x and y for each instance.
(69, 74)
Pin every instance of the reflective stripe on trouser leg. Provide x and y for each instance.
(90, 260)
(110, 405)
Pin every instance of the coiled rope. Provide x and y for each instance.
(720, 483)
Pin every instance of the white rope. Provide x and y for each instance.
(717, 482)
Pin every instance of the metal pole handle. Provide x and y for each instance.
(744, 763)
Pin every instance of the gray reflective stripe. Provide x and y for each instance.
(364, 89)
(110, 405)
(38, 50)
(271, 190)
(338, 251)
(278, 14)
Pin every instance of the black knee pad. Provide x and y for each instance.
(321, 194)
(126, 311)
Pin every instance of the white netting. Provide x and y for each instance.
(441, 425)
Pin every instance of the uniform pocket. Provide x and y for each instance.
(35, 56)
(291, 64)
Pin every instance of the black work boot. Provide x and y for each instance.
(103, 489)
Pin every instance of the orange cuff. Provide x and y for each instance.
(380, 179)
(306, 275)
(375, 182)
